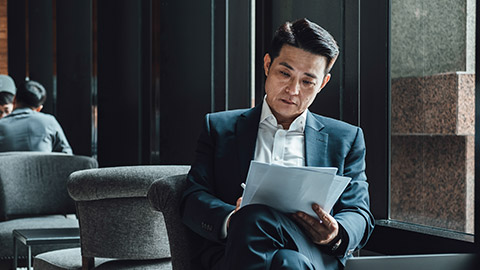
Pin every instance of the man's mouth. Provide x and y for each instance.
(289, 102)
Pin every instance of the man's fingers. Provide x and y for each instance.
(239, 202)
(313, 227)
(308, 227)
(321, 230)
(324, 217)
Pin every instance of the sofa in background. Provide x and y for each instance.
(33, 194)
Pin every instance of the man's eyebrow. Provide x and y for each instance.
(285, 64)
(310, 75)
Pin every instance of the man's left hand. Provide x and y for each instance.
(322, 230)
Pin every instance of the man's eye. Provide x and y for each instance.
(308, 82)
(285, 74)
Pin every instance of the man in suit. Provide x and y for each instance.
(281, 130)
(27, 129)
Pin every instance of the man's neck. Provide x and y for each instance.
(26, 107)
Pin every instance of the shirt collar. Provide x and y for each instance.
(20, 111)
(267, 117)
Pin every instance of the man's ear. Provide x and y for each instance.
(39, 108)
(267, 60)
(326, 79)
(14, 102)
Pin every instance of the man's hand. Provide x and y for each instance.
(239, 201)
(321, 231)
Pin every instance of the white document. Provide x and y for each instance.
(292, 189)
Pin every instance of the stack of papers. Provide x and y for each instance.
(292, 189)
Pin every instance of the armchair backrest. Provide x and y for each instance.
(34, 183)
(116, 220)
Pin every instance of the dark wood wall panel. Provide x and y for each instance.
(184, 76)
(239, 79)
(40, 48)
(74, 73)
(119, 63)
(16, 40)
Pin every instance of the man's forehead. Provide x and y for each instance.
(295, 58)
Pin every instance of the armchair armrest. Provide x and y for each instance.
(165, 195)
(118, 182)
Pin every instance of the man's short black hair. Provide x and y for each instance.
(6, 98)
(307, 36)
(31, 94)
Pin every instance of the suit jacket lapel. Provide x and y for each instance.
(247, 129)
(315, 142)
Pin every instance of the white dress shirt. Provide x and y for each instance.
(277, 145)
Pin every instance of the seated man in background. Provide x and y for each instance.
(7, 91)
(27, 129)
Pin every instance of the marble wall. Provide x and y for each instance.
(438, 104)
(432, 144)
(432, 112)
(432, 37)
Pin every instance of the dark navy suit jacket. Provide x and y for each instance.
(225, 148)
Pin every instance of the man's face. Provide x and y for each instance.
(5, 109)
(294, 79)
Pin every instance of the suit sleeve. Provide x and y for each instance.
(59, 140)
(202, 211)
(352, 210)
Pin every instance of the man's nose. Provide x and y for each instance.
(294, 87)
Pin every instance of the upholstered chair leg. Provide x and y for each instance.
(87, 263)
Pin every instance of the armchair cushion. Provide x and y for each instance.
(70, 259)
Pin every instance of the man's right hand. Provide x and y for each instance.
(239, 202)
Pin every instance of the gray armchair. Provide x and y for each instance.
(116, 221)
(165, 196)
(33, 194)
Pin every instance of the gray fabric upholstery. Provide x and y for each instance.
(118, 182)
(165, 196)
(122, 228)
(116, 220)
(115, 217)
(71, 259)
(33, 194)
(35, 184)
(64, 259)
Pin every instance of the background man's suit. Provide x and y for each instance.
(225, 148)
(27, 130)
